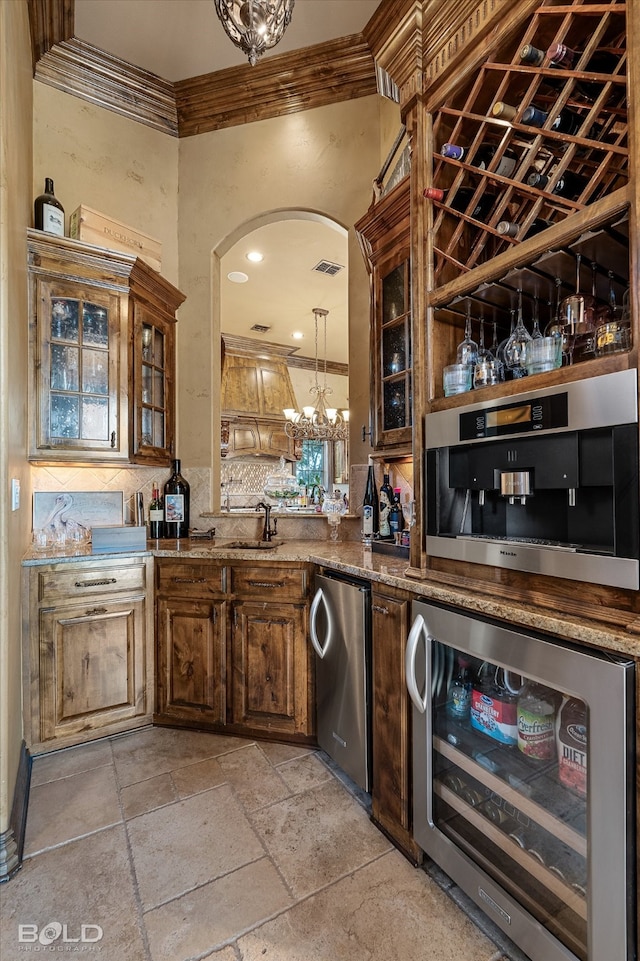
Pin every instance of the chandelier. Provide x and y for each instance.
(255, 25)
(317, 421)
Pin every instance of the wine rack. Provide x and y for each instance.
(489, 184)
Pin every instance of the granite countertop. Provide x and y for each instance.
(350, 557)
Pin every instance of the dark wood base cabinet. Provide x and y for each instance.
(229, 657)
(391, 721)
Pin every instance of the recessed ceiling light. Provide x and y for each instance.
(297, 335)
(255, 256)
(237, 277)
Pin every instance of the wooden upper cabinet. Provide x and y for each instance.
(95, 397)
(384, 237)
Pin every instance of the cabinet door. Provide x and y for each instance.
(191, 659)
(78, 364)
(270, 667)
(92, 666)
(153, 387)
(393, 352)
(391, 724)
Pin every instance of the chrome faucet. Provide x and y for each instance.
(267, 531)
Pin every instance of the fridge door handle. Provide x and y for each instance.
(418, 631)
(313, 632)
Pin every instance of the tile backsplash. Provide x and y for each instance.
(129, 480)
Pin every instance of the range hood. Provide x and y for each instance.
(254, 392)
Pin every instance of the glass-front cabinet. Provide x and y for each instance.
(384, 236)
(101, 355)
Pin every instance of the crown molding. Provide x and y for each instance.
(325, 73)
(50, 22)
(92, 74)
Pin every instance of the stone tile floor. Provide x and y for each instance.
(170, 845)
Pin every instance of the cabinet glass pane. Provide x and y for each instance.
(95, 325)
(393, 294)
(147, 396)
(64, 368)
(64, 319)
(394, 356)
(158, 429)
(158, 348)
(95, 418)
(146, 438)
(95, 372)
(394, 415)
(64, 415)
(158, 388)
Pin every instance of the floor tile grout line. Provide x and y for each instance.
(202, 884)
(77, 837)
(142, 928)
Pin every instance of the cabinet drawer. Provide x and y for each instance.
(87, 580)
(276, 582)
(190, 578)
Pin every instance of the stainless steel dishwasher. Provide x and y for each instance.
(340, 629)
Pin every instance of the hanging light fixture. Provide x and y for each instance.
(317, 421)
(255, 25)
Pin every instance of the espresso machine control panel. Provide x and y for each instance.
(537, 413)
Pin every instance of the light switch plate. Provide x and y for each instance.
(15, 494)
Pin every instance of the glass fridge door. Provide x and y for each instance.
(510, 785)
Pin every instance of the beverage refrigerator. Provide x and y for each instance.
(523, 780)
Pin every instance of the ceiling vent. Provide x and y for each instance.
(260, 328)
(326, 267)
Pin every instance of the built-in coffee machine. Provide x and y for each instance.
(544, 481)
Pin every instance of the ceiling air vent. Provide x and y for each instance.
(326, 267)
(260, 328)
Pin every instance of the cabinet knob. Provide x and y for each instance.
(379, 610)
(113, 438)
(95, 610)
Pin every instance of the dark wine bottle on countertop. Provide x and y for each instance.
(48, 212)
(156, 514)
(370, 513)
(386, 503)
(176, 504)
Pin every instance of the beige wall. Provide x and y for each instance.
(323, 160)
(121, 168)
(15, 526)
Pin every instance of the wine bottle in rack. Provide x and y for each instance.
(568, 184)
(482, 157)
(600, 61)
(461, 200)
(507, 228)
(504, 111)
(567, 121)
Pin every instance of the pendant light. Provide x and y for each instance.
(254, 25)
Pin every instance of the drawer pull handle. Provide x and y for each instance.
(380, 610)
(113, 438)
(109, 580)
(189, 580)
(266, 583)
(95, 610)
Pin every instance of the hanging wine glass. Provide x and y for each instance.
(615, 333)
(515, 348)
(503, 343)
(557, 328)
(536, 333)
(495, 353)
(467, 352)
(485, 371)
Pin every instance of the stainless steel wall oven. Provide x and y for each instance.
(545, 481)
(523, 780)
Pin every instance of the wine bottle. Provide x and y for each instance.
(507, 228)
(396, 517)
(532, 55)
(600, 61)
(503, 110)
(461, 200)
(48, 212)
(176, 504)
(156, 514)
(386, 503)
(567, 121)
(482, 157)
(459, 693)
(370, 509)
(568, 184)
